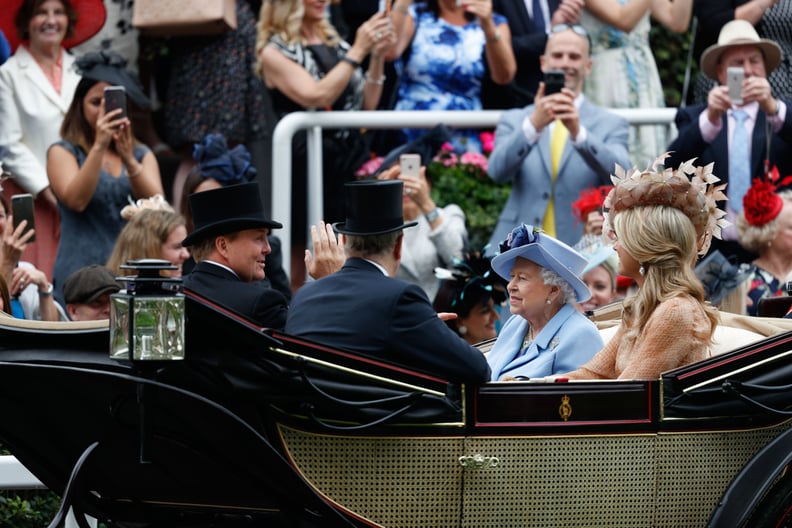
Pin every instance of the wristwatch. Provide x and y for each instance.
(47, 292)
(432, 215)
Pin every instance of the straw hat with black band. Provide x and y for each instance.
(739, 33)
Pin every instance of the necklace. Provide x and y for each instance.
(529, 337)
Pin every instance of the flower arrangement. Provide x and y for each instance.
(462, 179)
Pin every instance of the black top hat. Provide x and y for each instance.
(227, 210)
(374, 207)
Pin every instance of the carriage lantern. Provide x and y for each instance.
(147, 316)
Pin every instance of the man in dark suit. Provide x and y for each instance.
(362, 309)
(229, 244)
(710, 131)
(529, 31)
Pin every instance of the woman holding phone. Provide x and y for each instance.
(37, 84)
(97, 166)
(451, 45)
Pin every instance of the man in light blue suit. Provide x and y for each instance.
(587, 151)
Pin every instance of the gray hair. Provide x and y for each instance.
(551, 278)
(371, 245)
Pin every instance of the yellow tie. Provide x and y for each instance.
(557, 142)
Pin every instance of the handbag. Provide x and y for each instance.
(169, 18)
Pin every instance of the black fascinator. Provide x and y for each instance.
(110, 67)
(468, 281)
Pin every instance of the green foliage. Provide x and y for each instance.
(469, 187)
(27, 509)
(671, 52)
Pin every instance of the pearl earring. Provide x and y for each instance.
(548, 301)
(462, 330)
(642, 270)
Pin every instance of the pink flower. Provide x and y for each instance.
(487, 142)
(447, 147)
(450, 159)
(370, 167)
(475, 159)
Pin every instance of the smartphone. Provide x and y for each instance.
(22, 209)
(734, 80)
(410, 165)
(554, 80)
(115, 97)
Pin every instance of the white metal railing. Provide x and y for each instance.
(14, 476)
(314, 122)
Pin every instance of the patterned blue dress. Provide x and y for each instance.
(444, 70)
(88, 237)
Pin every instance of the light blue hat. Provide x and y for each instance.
(603, 256)
(532, 244)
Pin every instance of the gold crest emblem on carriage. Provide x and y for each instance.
(565, 410)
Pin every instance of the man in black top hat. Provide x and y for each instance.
(229, 244)
(362, 309)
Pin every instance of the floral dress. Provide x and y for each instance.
(444, 70)
(763, 284)
(625, 76)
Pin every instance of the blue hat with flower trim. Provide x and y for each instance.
(532, 244)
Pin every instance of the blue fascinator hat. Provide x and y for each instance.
(214, 160)
(719, 276)
(532, 244)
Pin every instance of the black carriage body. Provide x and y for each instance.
(259, 428)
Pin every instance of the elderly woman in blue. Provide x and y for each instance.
(545, 335)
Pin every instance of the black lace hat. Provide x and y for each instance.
(110, 67)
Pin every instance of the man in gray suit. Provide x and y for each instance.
(562, 144)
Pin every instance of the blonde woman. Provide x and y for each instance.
(306, 65)
(666, 324)
(151, 234)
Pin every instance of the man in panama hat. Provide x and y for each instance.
(229, 244)
(361, 308)
(710, 131)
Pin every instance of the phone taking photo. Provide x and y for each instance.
(115, 97)
(410, 165)
(22, 209)
(554, 81)
(734, 80)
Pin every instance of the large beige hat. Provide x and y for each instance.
(739, 33)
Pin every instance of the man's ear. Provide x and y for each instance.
(221, 246)
(71, 310)
(397, 248)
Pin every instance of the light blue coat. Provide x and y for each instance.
(566, 342)
(527, 168)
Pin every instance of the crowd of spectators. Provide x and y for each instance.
(202, 122)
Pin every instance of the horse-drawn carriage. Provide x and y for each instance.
(258, 428)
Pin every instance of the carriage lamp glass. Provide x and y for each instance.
(147, 316)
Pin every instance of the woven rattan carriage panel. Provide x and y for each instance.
(394, 482)
(693, 471)
(573, 481)
(629, 481)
